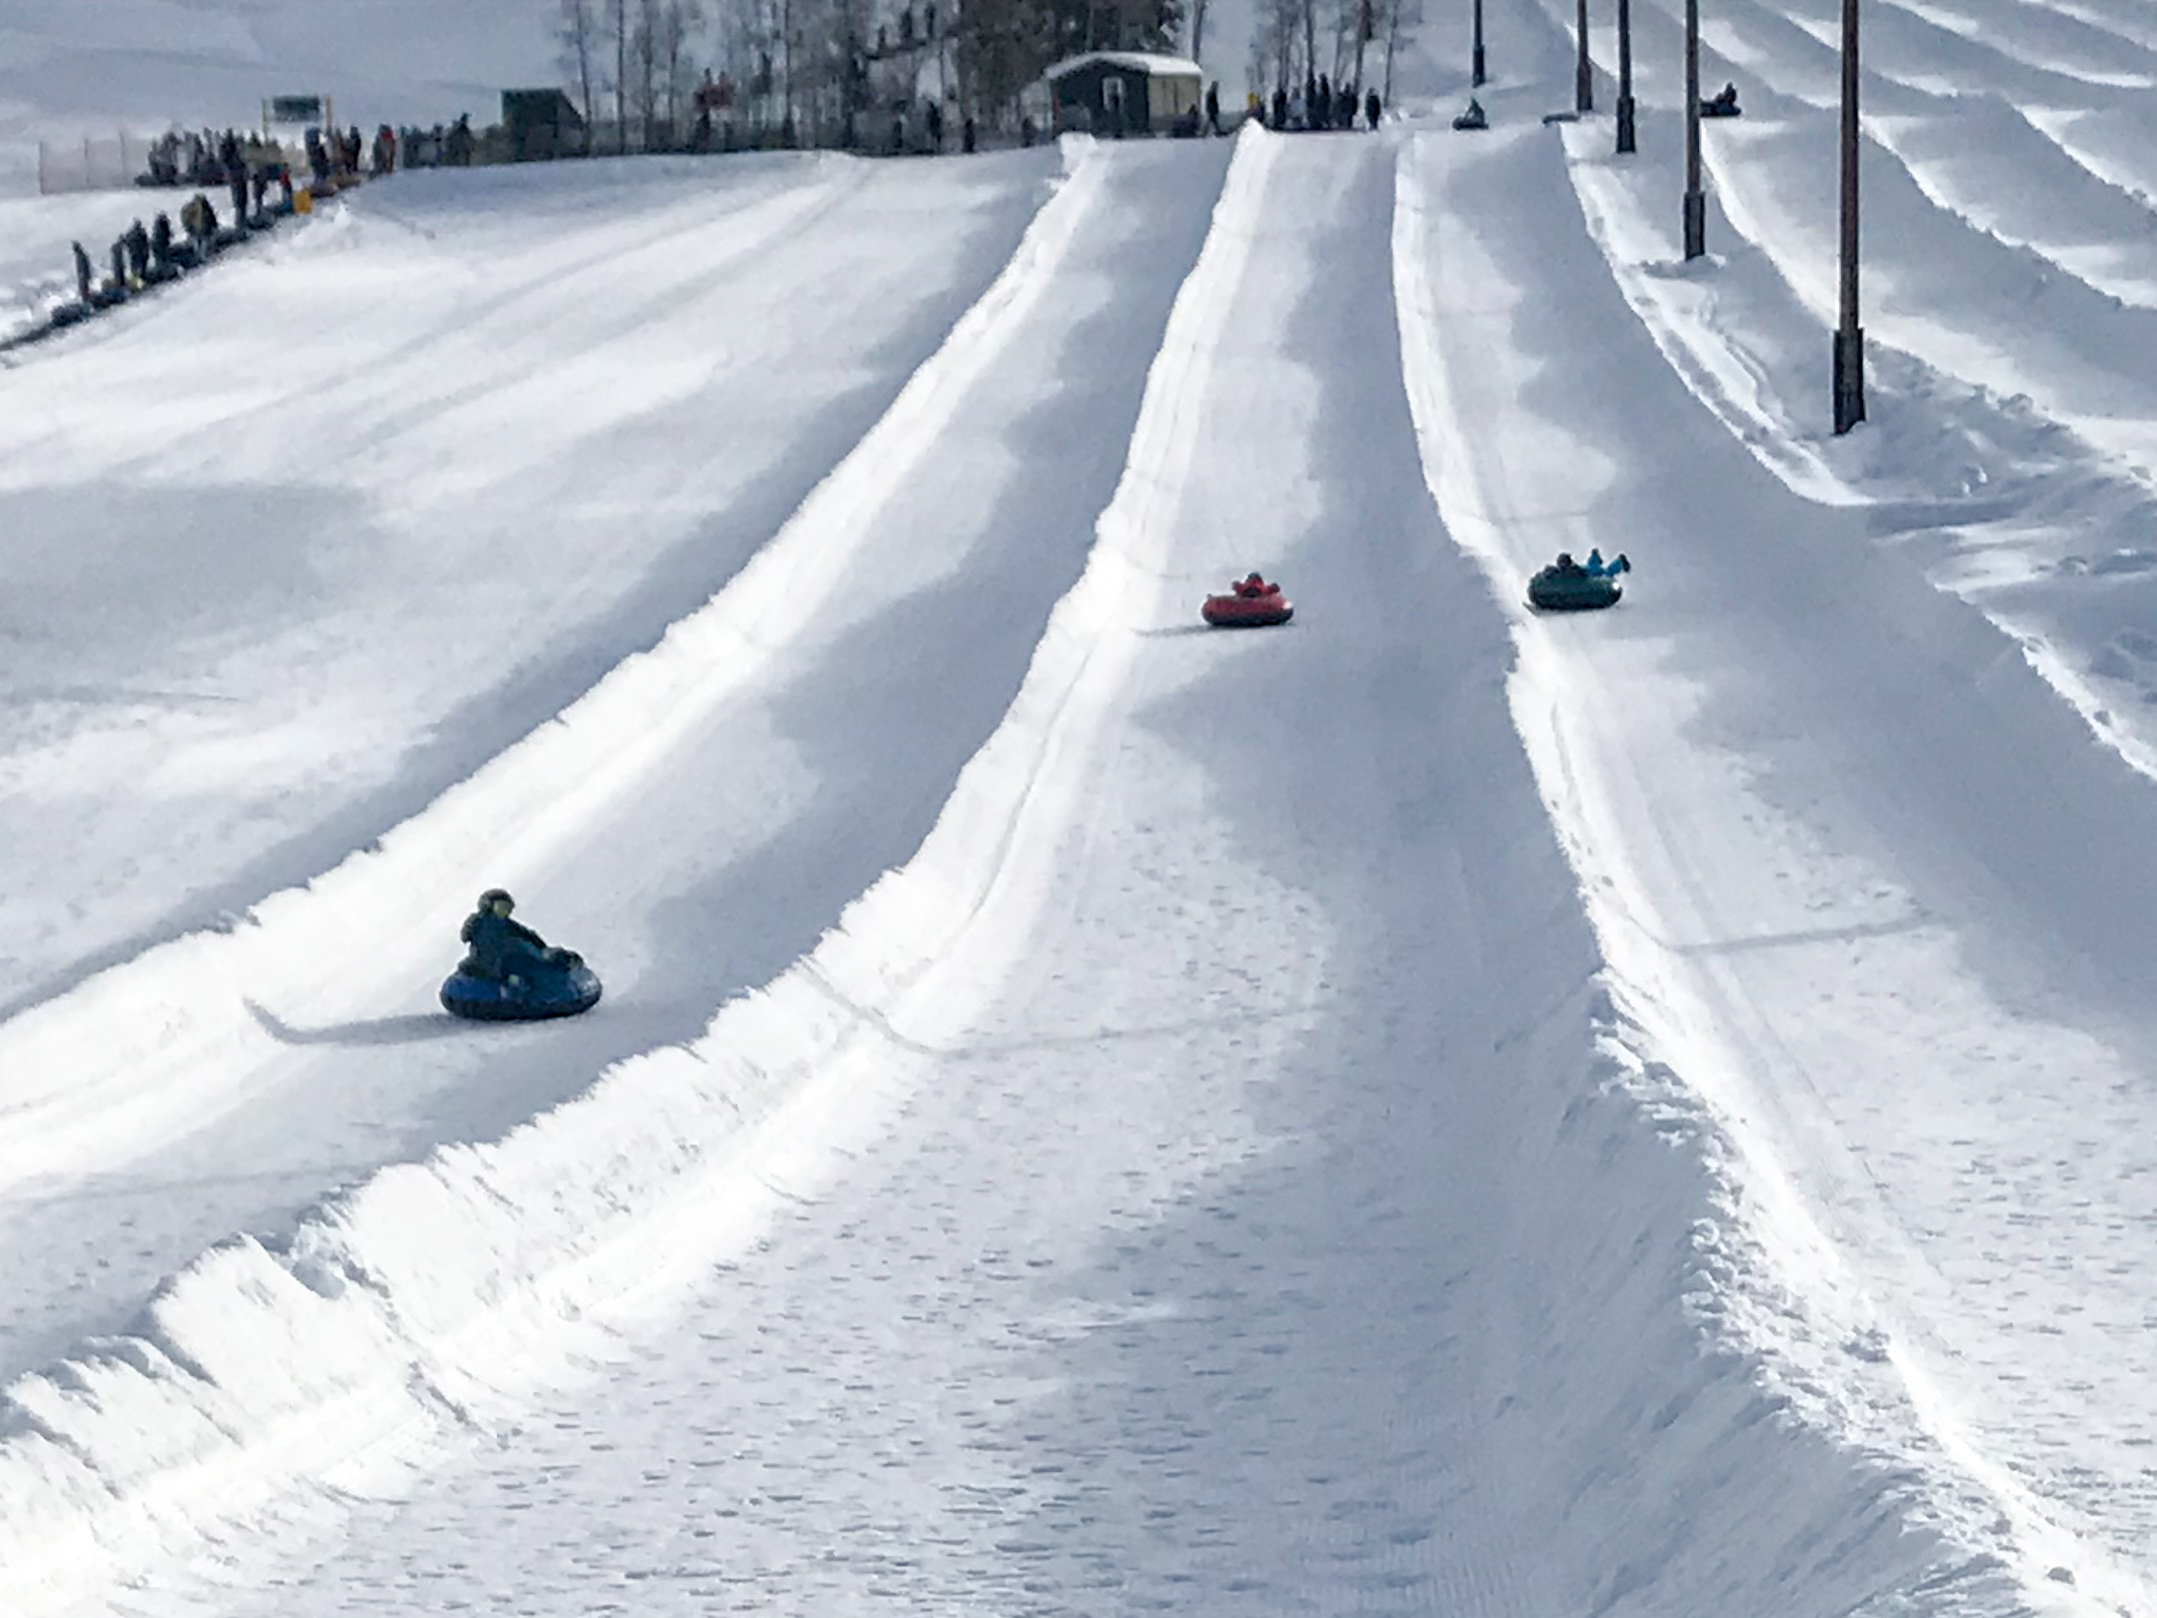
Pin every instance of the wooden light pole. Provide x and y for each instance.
(1583, 74)
(1849, 335)
(1625, 75)
(1696, 202)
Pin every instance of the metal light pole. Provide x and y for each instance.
(1849, 336)
(1477, 68)
(1625, 75)
(1696, 203)
(1583, 74)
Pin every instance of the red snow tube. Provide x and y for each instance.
(1253, 604)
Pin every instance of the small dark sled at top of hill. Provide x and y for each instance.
(1568, 586)
(1472, 117)
(1249, 603)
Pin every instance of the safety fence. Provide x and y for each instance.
(94, 163)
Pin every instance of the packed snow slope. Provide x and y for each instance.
(693, 826)
(72, 70)
(318, 531)
(1432, 1109)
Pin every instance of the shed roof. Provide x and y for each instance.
(1158, 67)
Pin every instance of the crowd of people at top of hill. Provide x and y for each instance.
(211, 161)
(1319, 104)
(258, 174)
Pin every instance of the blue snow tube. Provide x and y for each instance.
(1551, 591)
(560, 986)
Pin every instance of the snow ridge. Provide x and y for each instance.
(437, 1291)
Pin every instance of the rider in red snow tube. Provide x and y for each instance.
(1251, 603)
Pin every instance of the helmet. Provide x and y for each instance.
(1565, 558)
(487, 899)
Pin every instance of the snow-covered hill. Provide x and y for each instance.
(1434, 1108)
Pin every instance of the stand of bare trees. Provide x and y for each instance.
(659, 74)
(633, 66)
(1345, 40)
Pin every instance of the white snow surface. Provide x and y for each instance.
(1431, 1109)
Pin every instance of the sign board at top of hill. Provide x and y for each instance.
(292, 113)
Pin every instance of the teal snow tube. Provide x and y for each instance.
(1553, 591)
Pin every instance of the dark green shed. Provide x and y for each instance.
(542, 124)
(1118, 93)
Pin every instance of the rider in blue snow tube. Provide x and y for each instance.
(510, 974)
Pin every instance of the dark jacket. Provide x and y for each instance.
(498, 945)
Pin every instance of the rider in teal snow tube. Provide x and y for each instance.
(1566, 586)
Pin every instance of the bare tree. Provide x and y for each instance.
(1273, 44)
(1198, 29)
(1001, 46)
(1401, 19)
(680, 22)
(580, 39)
(622, 31)
(644, 55)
